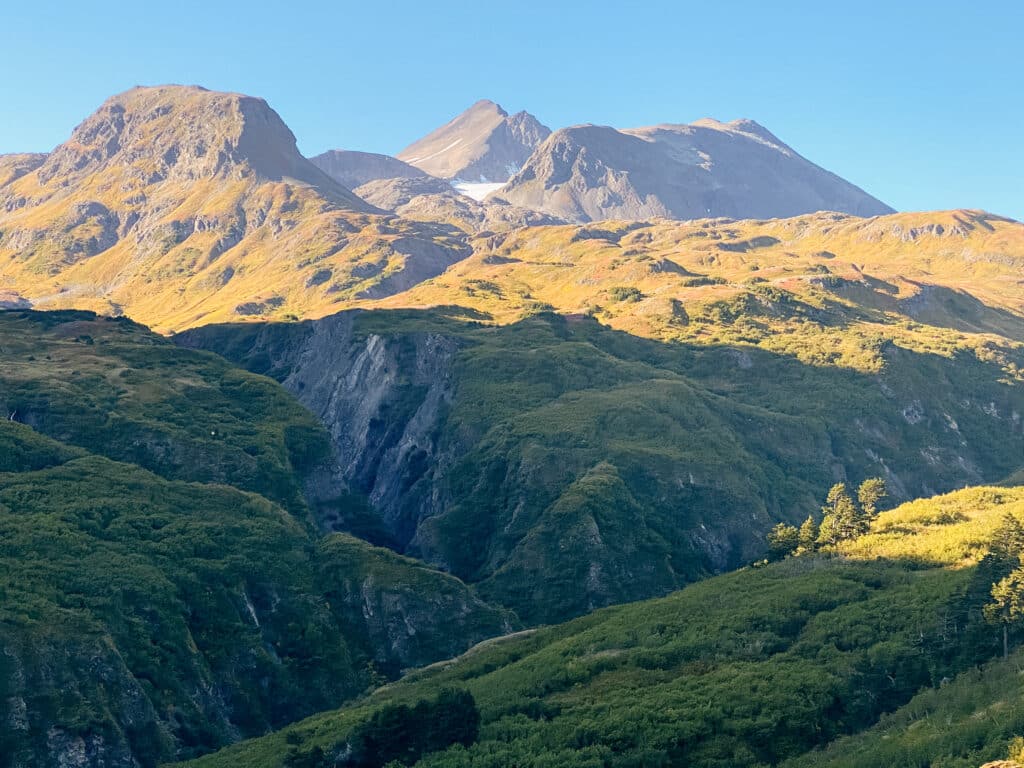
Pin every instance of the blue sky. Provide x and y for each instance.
(920, 103)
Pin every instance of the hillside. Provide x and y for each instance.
(750, 668)
(705, 170)
(793, 285)
(352, 169)
(562, 465)
(157, 613)
(193, 205)
(483, 145)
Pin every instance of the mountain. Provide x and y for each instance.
(482, 146)
(164, 589)
(197, 204)
(708, 169)
(786, 285)
(352, 169)
(761, 667)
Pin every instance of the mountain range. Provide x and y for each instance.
(510, 413)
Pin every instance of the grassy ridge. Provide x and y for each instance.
(750, 668)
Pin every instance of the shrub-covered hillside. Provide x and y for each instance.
(564, 466)
(746, 669)
(145, 618)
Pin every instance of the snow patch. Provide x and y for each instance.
(428, 157)
(478, 191)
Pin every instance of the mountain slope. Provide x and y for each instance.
(352, 169)
(563, 466)
(430, 199)
(745, 669)
(708, 169)
(484, 144)
(149, 617)
(197, 204)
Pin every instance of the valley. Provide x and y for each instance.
(468, 456)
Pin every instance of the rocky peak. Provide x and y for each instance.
(484, 144)
(185, 133)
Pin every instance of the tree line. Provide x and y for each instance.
(842, 517)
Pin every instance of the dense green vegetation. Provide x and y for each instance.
(582, 466)
(118, 390)
(144, 618)
(752, 668)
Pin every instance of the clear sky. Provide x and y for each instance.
(920, 103)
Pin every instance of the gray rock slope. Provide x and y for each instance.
(706, 169)
(352, 169)
(483, 144)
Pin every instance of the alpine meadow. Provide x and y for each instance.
(463, 440)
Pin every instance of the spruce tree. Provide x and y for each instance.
(782, 540)
(869, 494)
(808, 535)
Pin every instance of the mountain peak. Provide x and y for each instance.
(182, 132)
(484, 144)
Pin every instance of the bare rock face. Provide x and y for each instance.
(353, 169)
(483, 144)
(707, 169)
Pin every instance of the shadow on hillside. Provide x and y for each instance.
(557, 422)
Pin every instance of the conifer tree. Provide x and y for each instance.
(782, 540)
(808, 534)
(841, 518)
(869, 493)
(1007, 605)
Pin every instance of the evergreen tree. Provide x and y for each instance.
(1007, 605)
(808, 534)
(782, 540)
(869, 494)
(1007, 544)
(840, 517)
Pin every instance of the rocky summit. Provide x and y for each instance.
(482, 145)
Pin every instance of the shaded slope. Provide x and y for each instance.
(564, 466)
(352, 169)
(146, 618)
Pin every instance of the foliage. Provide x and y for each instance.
(158, 618)
(579, 462)
(750, 668)
(782, 540)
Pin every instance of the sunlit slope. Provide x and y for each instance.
(749, 668)
(775, 283)
(177, 205)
